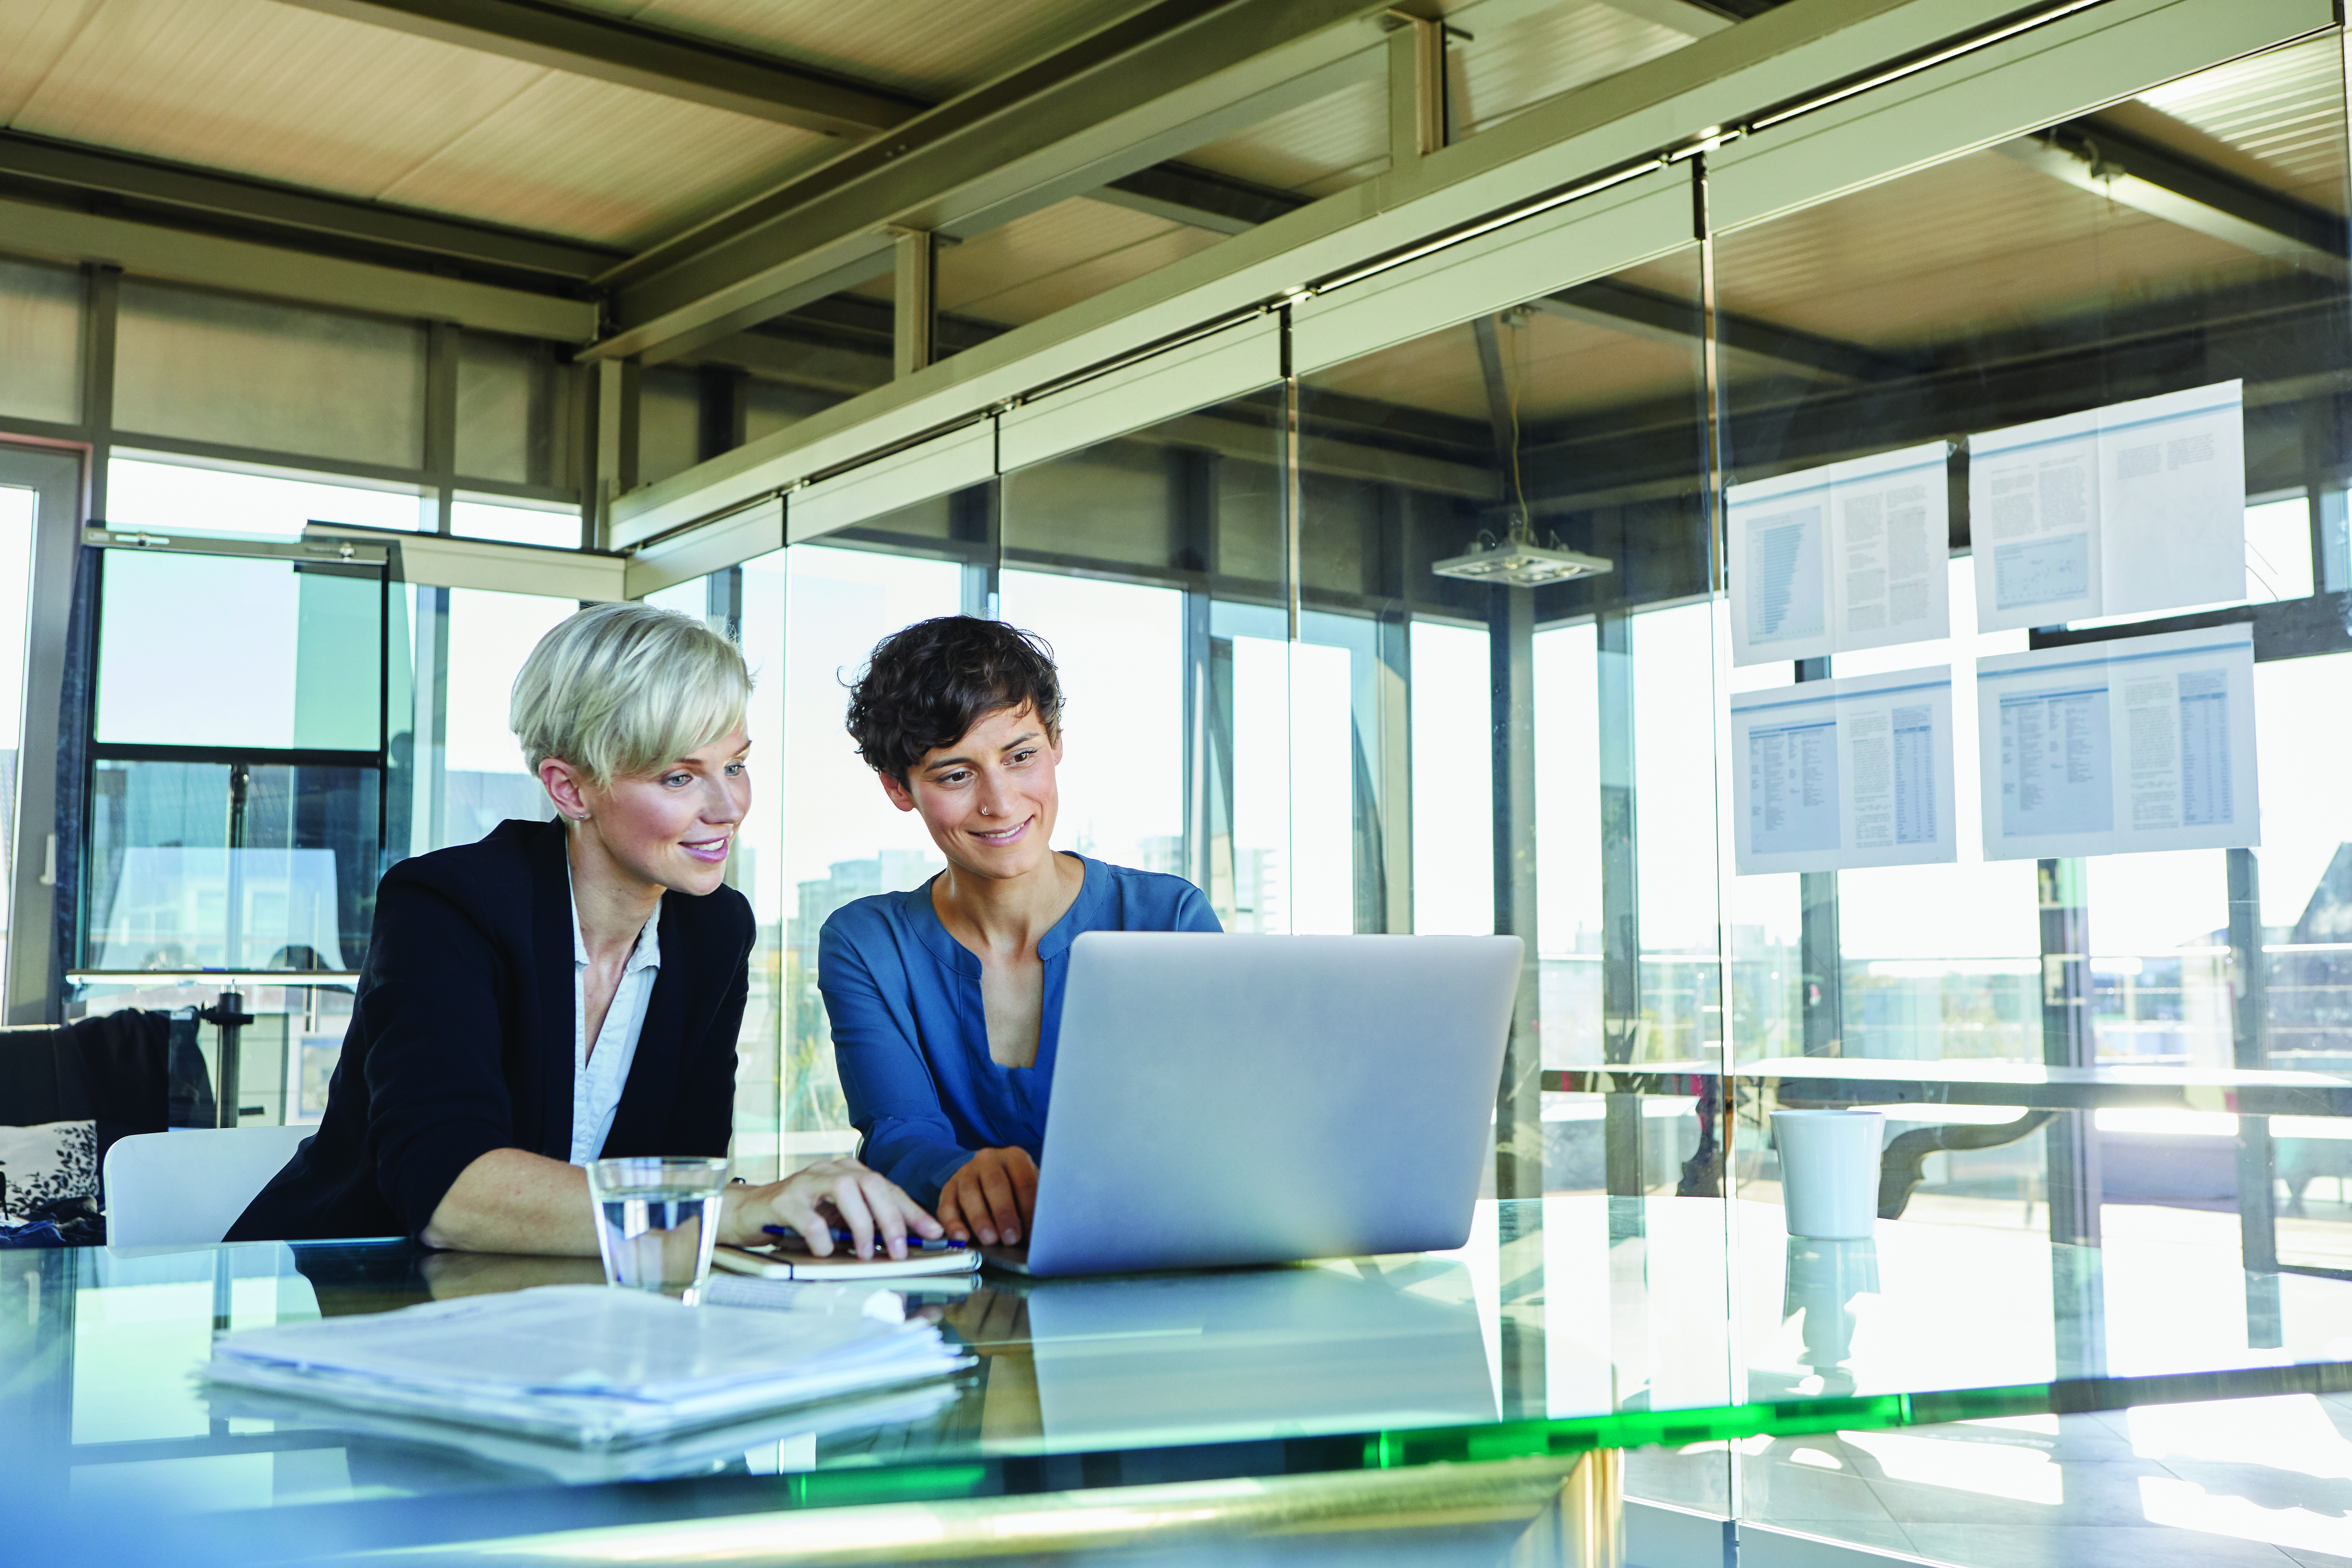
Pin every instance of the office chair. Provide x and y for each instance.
(186, 1188)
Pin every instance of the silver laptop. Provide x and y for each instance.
(1230, 1100)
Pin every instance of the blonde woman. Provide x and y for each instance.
(568, 990)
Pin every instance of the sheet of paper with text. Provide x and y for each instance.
(2111, 511)
(2113, 747)
(1838, 558)
(1831, 775)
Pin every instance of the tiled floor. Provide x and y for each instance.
(2260, 1482)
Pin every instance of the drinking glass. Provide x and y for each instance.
(657, 1216)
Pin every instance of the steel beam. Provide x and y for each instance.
(1152, 84)
(2107, 160)
(148, 251)
(914, 301)
(652, 59)
(1184, 195)
(210, 195)
(1737, 72)
(1662, 317)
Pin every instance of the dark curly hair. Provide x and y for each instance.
(925, 685)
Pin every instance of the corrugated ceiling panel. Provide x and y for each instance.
(1556, 368)
(2284, 107)
(267, 90)
(1070, 251)
(295, 95)
(32, 34)
(935, 49)
(1502, 70)
(1982, 242)
(1313, 149)
(2069, 67)
(599, 161)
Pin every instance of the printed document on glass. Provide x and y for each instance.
(2110, 747)
(2111, 511)
(1848, 556)
(1829, 775)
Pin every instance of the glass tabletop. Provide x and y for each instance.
(1565, 1323)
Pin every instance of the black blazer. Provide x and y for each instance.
(462, 1040)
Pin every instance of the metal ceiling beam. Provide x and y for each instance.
(1184, 195)
(1776, 60)
(2093, 155)
(150, 251)
(652, 59)
(1664, 319)
(1143, 89)
(269, 205)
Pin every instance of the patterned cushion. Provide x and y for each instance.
(55, 1160)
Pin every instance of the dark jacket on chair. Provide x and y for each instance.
(462, 1040)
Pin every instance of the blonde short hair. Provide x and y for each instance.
(619, 690)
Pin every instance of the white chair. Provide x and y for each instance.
(185, 1188)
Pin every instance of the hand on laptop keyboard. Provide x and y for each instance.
(991, 1197)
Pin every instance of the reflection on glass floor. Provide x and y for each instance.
(2262, 1482)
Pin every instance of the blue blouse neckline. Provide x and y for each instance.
(923, 917)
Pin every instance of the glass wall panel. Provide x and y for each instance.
(303, 670)
(168, 891)
(19, 512)
(513, 411)
(273, 378)
(1156, 564)
(40, 342)
(1452, 777)
(2068, 401)
(515, 522)
(669, 423)
(171, 495)
(747, 603)
(1120, 650)
(1548, 771)
(846, 841)
(482, 780)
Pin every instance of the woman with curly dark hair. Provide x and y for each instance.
(946, 1001)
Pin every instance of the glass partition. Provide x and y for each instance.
(845, 840)
(1535, 754)
(1156, 564)
(2034, 463)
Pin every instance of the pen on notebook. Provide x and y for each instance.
(914, 1243)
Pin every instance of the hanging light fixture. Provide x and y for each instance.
(1517, 561)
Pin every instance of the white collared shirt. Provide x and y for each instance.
(599, 1076)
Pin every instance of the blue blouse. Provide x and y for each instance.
(910, 1038)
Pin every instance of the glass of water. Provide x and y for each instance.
(657, 1217)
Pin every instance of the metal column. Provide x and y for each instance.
(915, 317)
(1518, 1110)
(976, 522)
(2249, 1033)
(1820, 956)
(1621, 960)
(2070, 1146)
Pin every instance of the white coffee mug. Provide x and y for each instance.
(1829, 1170)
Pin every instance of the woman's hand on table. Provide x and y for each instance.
(991, 1197)
(817, 1198)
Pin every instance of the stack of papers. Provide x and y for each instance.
(582, 1363)
(701, 1453)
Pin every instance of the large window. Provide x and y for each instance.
(843, 839)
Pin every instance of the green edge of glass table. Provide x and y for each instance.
(1419, 1392)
